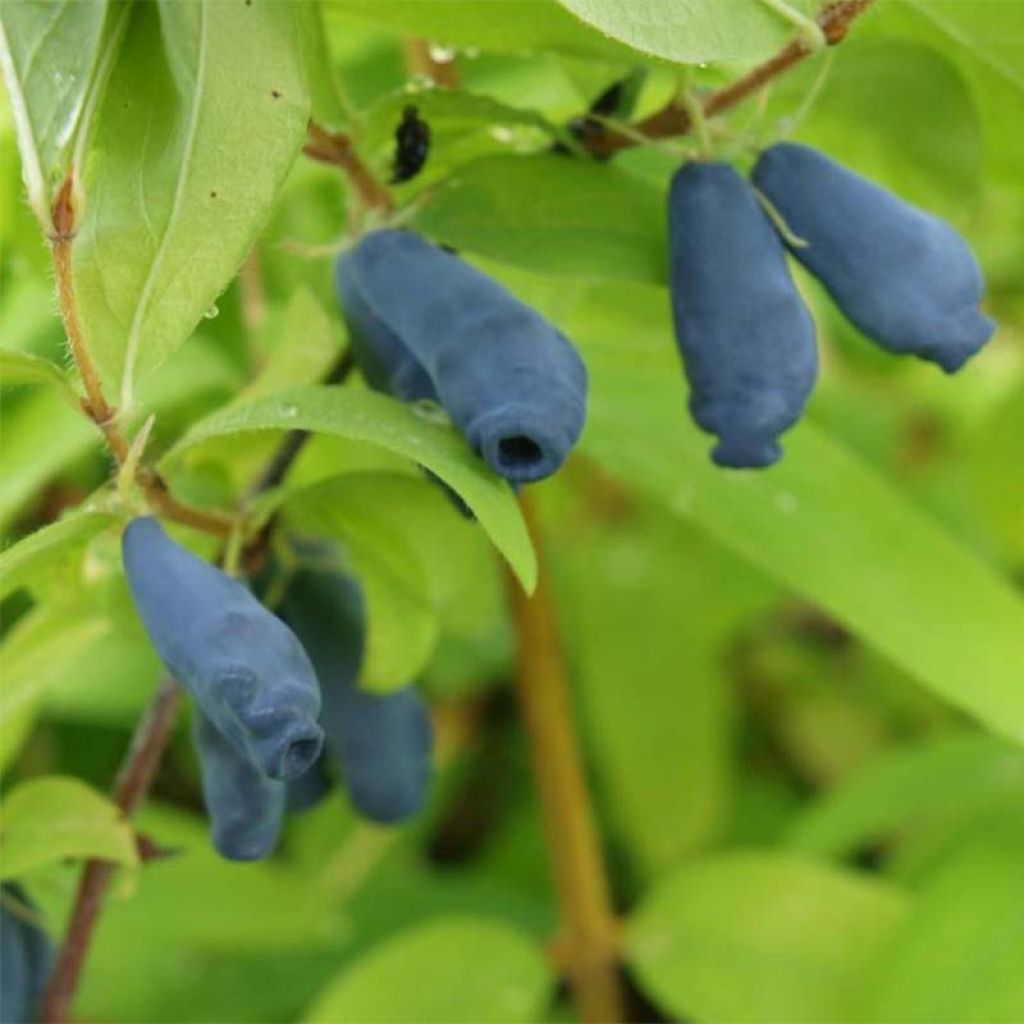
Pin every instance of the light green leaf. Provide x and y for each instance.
(987, 51)
(305, 347)
(52, 545)
(695, 32)
(25, 368)
(404, 538)
(378, 420)
(505, 26)
(465, 969)
(38, 650)
(192, 143)
(907, 787)
(47, 819)
(651, 680)
(815, 521)
(51, 55)
(759, 938)
(959, 957)
(550, 213)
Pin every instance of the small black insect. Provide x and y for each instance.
(412, 145)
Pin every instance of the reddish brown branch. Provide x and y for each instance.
(133, 781)
(672, 119)
(421, 61)
(589, 943)
(336, 148)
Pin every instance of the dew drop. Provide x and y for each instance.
(786, 503)
(212, 313)
(441, 54)
(289, 411)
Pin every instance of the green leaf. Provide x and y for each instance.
(760, 938)
(47, 819)
(38, 553)
(552, 214)
(404, 539)
(523, 26)
(52, 56)
(378, 420)
(305, 347)
(959, 957)
(821, 521)
(462, 970)
(906, 787)
(167, 223)
(42, 647)
(987, 52)
(652, 684)
(25, 368)
(695, 32)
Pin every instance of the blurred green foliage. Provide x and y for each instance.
(800, 693)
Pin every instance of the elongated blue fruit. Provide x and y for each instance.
(385, 362)
(903, 276)
(244, 666)
(312, 786)
(382, 743)
(510, 381)
(245, 807)
(745, 335)
(26, 957)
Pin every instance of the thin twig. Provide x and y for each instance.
(336, 148)
(672, 119)
(133, 781)
(420, 59)
(95, 404)
(589, 943)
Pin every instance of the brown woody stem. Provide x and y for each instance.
(589, 943)
(421, 61)
(672, 119)
(337, 148)
(133, 781)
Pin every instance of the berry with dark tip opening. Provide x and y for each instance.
(381, 742)
(745, 335)
(242, 664)
(245, 807)
(903, 276)
(510, 381)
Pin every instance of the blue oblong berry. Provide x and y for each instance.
(745, 335)
(385, 362)
(903, 276)
(510, 381)
(26, 957)
(244, 667)
(309, 788)
(245, 807)
(382, 743)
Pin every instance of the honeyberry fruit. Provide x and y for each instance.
(306, 791)
(384, 360)
(244, 667)
(745, 335)
(244, 805)
(903, 276)
(26, 957)
(381, 742)
(510, 381)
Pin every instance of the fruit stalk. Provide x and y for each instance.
(588, 945)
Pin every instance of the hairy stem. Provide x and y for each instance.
(133, 781)
(588, 945)
(95, 404)
(336, 148)
(673, 119)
